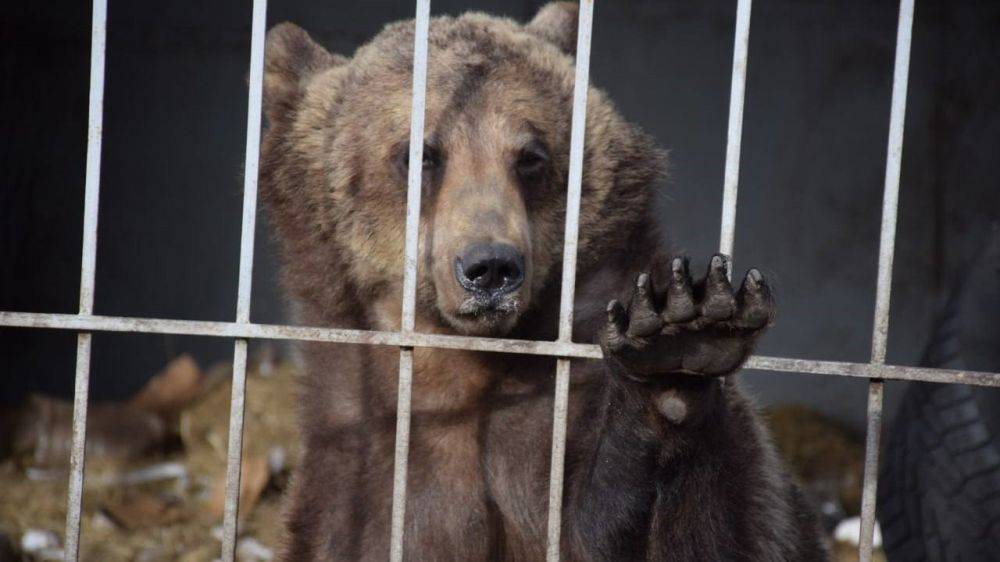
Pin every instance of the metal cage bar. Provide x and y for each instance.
(410, 252)
(734, 134)
(887, 247)
(88, 267)
(237, 401)
(242, 330)
(560, 399)
(234, 330)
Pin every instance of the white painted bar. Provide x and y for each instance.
(402, 452)
(734, 136)
(561, 398)
(873, 434)
(410, 252)
(234, 451)
(560, 414)
(893, 163)
(237, 402)
(88, 267)
(887, 247)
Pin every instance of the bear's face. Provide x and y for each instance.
(496, 146)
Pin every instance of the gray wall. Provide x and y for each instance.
(815, 131)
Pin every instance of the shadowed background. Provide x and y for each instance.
(815, 129)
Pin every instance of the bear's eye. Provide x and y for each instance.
(431, 158)
(431, 162)
(532, 160)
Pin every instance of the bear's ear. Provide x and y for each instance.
(556, 22)
(291, 57)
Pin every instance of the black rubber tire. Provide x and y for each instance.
(939, 487)
(939, 491)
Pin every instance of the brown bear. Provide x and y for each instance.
(666, 457)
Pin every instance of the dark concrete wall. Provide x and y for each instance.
(810, 193)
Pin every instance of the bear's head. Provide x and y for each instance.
(495, 163)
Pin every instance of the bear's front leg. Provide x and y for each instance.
(655, 454)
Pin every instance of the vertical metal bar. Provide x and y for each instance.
(237, 403)
(77, 454)
(893, 163)
(401, 454)
(74, 497)
(251, 159)
(873, 433)
(561, 397)
(741, 42)
(408, 316)
(887, 246)
(415, 172)
(234, 452)
(560, 414)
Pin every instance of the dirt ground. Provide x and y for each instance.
(155, 469)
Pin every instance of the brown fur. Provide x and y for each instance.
(334, 183)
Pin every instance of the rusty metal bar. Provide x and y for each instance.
(237, 401)
(560, 399)
(734, 136)
(408, 318)
(887, 246)
(88, 267)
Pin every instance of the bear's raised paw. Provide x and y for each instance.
(686, 327)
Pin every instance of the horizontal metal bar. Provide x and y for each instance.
(871, 371)
(551, 348)
(298, 333)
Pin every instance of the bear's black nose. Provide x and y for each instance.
(490, 269)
